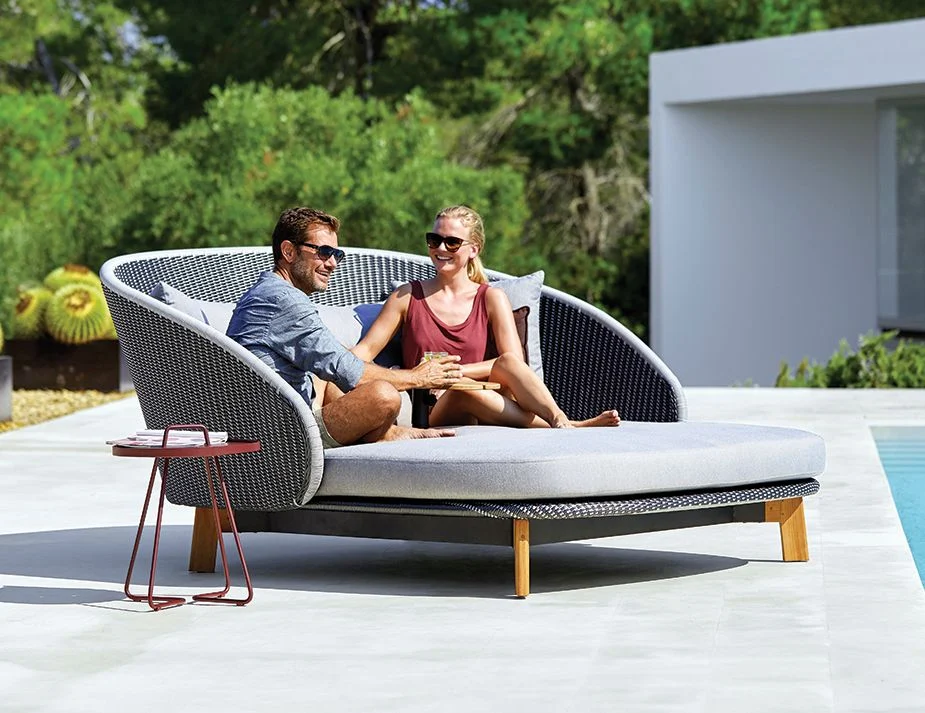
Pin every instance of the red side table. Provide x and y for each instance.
(209, 454)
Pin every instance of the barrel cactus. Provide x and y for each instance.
(77, 314)
(29, 313)
(71, 274)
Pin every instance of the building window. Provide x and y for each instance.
(901, 253)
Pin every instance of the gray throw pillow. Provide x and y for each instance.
(350, 324)
(216, 314)
(343, 323)
(525, 292)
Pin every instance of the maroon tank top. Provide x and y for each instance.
(423, 331)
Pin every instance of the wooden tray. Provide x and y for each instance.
(474, 386)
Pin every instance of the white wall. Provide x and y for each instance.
(764, 237)
(860, 60)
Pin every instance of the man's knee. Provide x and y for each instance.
(366, 409)
(384, 396)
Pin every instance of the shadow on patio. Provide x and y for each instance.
(330, 564)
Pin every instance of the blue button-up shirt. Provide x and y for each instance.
(279, 323)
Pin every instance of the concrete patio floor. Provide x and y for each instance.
(705, 620)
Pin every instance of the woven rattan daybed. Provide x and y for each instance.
(488, 485)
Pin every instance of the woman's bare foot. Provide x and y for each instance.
(560, 420)
(605, 418)
(401, 433)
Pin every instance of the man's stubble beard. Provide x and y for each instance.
(308, 278)
(319, 287)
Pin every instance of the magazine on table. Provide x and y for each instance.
(153, 438)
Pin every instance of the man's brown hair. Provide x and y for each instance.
(294, 225)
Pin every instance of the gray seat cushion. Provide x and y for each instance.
(495, 463)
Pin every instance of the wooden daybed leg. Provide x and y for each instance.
(789, 513)
(205, 540)
(521, 558)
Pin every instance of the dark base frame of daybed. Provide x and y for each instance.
(521, 524)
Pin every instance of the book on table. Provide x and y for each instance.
(177, 438)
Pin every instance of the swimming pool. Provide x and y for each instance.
(902, 453)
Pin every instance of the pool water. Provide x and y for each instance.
(902, 453)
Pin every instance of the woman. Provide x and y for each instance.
(453, 312)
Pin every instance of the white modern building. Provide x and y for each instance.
(788, 198)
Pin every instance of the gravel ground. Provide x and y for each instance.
(31, 407)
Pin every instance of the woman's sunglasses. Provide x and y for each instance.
(325, 252)
(449, 242)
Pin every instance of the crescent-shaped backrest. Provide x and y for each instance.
(187, 372)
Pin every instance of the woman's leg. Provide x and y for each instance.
(531, 394)
(492, 408)
(526, 387)
(466, 408)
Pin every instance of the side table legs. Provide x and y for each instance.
(156, 603)
(219, 596)
(163, 602)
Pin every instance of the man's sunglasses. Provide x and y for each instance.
(452, 244)
(325, 252)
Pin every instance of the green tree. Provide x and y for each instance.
(334, 44)
(224, 177)
(534, 111)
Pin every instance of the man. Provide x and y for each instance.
(277, 321)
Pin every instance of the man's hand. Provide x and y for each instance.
(437, 373)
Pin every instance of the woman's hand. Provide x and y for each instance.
(438, 373)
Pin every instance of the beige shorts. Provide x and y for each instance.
(327, 440)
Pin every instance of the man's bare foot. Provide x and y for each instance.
(401, 433)
(605, 418)
(431, 433)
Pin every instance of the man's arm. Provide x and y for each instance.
(434, 374)
(315, 350)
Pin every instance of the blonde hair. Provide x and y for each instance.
(473, 221)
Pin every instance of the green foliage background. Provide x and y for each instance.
(143, 124)
(878, 363)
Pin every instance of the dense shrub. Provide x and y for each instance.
(874, 365)
(222, 180)
(63, 186)
(383, 170)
